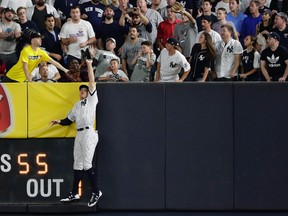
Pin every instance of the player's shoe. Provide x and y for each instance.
(71, 197)
(94, 199)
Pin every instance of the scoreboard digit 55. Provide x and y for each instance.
(35, 170)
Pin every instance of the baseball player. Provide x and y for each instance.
(83, 113)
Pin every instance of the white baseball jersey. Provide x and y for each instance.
(225, 57)
(84, 113)
(171, 65)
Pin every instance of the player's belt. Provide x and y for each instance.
(81, 129)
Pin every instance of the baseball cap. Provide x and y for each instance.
(35, 35)
(268, 11)
(172, 41)
(8, 9)
(282, 15)
(83, 86)
(274, 35)
(111, 39)
(207, 18)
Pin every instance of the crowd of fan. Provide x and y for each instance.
(144, 40)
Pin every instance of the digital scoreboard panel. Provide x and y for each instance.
(36, 171)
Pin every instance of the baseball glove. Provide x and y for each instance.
(177, 7)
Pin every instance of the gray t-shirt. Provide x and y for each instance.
(186, 34)
(129, 51)
(141, 72)
(155, 18)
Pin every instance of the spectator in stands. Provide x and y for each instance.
(228, 55)
(15, 4)
(110, 28)
(27, 27)
(274, 59)
(30, 57)
(165, 29)
(51, 39)
(53, 72)
(143, 63)
(207, 11)
(281, 28)
(206, 26)
(223, 4)
(266, 26)
(164, 11)
(139, 21)
(76, 34)
(114, 74)
(38, 12)
(202, 59)
(221, 16)
(153, 16)
(279, 6)
(250, 60)
(9, 32)
(73, 75)
(235, 16)
(170, 62)
(44, 75)
(185, 32)
(262, 8)
(63, 8)
(130, 49)
(92, 12)
(158, 5)
(250, 22)
(103, 57)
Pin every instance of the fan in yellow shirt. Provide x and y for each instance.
(30, 57)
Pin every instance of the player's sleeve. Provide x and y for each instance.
(71, 115)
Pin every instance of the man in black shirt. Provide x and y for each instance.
(274, 60)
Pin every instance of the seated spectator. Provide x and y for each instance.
(44, 74)
(144, 62)
(250, 60)
(185, 32)
(73, 75)
(114, 74)
(170, 62)
(274, 60)
(53, 72)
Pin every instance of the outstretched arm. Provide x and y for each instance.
(91, 78)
